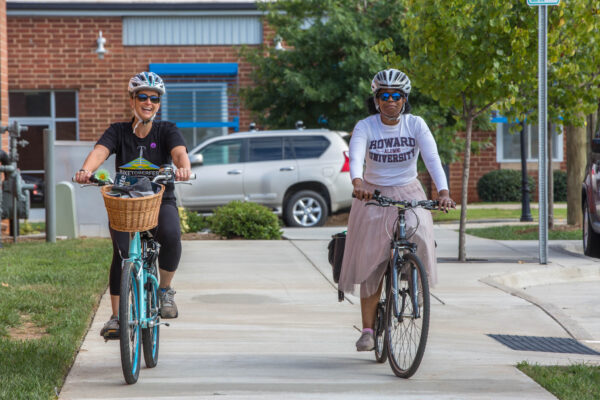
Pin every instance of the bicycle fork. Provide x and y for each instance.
(399, 296)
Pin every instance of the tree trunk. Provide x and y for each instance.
(550, 188)
(576, 161)
(462, 255)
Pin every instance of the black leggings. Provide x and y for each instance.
(167, 233)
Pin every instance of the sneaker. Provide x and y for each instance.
(366, 342)
(168, 308)
(111, 330)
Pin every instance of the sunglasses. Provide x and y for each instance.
(386, 96)
(143, 97)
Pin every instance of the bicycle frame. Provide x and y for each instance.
(400, 246)
(136, 257)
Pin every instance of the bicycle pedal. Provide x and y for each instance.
(111, 335)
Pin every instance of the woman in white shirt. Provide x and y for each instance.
(383, 155)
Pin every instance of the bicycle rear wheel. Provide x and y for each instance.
(380, 345)
(151, 335)
(129, 318)
(408, 321)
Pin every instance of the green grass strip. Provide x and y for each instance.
(573, 382)
(523, 232)
(492, 214)
(56, 287)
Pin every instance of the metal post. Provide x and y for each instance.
(525, 209)
(15, 219)
(49, 187)
(542, 126)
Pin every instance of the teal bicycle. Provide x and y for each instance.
(139, 315)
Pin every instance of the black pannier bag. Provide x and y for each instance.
(336, 255)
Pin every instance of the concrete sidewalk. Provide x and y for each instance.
(260, 320)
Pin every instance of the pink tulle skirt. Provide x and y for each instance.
(370, 230)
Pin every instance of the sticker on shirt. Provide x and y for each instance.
(392, 150)
(140, 166)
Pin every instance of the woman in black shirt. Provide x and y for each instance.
(141, 146)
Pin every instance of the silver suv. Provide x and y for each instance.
(303, 175)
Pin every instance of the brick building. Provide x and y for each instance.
(57, 76)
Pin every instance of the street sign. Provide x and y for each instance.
(543, 2)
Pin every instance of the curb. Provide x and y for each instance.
(570, 326)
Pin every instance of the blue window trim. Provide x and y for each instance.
(234, 124)
(199, 69)
(499, 119)
(221, 69)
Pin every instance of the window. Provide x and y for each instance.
(39, 110)
(194, 107)
(509, 144)
(310, 146)
(265, 149)
(56, 110)
(201, 98)
(222, 152)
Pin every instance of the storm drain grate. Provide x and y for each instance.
(545, 344)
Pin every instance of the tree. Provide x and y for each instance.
(323, 76)
(467, 54)
(573, 86)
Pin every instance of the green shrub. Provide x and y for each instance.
(502, 185)
(191, 221)
(560, 185)
(246, 220)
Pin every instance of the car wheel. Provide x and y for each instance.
(305, 209)
(591, 240)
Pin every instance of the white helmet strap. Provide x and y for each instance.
(142, 121)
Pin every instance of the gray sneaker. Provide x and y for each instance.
(366, 342)
(111, 329)
(168, 308)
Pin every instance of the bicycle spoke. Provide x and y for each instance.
(407, 329)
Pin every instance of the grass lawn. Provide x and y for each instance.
(492, 214)
(48, 293)
(525, 232)
(574, 382)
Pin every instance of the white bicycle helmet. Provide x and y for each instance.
(391, 79)
(146, 81)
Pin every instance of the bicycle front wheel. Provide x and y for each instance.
(407, 317)
(151, 334)
(129, 319)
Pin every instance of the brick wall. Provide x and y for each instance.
(58, 53)
(3, 94)
(3, 74)
(481, 164)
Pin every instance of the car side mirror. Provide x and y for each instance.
(596, 145)
(196, 159)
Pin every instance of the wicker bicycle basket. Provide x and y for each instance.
(132, 214)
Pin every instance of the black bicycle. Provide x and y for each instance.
(402, 317)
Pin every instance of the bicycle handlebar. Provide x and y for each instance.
(386, 202)
(168, 177)
(383, 201)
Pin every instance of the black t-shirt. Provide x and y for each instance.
(142, 157)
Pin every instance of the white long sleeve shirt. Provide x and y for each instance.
(391, 151)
